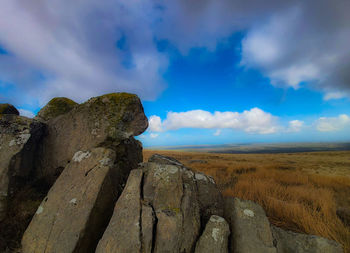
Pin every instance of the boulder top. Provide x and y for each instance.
(56, 107)
(8, 109)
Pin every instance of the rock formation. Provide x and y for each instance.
(100, 197)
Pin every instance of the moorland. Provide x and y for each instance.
(306, 192)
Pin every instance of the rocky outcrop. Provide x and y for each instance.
(20, 137)
(159, 211)
(101, 121)
(214, 237)
(101, 198)
(290, 242)
(34, 152)
(55, 108)
(8, 109)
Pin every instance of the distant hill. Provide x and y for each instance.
(260, 148)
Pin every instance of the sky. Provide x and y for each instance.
(207, 71)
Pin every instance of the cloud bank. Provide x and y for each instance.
(252, 121)
(84, 48)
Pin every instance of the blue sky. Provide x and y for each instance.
(208, 72)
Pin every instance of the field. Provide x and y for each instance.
(304, 192)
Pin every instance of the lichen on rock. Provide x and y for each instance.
(55, 107)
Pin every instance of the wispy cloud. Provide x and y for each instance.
(331, 124)
(26, 113)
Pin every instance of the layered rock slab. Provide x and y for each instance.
(250, 228)
(158, 211)
(209, 197)
(123, 231)
(214, 237)
(171, 191)
(20, 137)
(101, 121)
(290, 242)
(77, 208)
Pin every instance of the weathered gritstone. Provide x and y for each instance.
(56, 107)
(290, 242)
(250, 228)
(159, 213)
(101, 121)
(214, 237)
(77, 208)
(19, 137)
(123, 232)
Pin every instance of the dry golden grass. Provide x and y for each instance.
(299, 191)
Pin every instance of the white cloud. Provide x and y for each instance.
(26, 113)
(331, 124)
(295, 126)
(217, 132)
(153, 135)
(155, 124)
(298, 45)
(252, 121)
(334, 95)
(68, 48)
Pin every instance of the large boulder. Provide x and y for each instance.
(210, 199)
(171, 192)
(20, 137)
(214, 237)
(78, 207)
(56, 107)
(158, 210)
(250, 228)
(290, 242)
(162, 159)
(101, 121)
(8, 109)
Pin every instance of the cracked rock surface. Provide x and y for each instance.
(19, 138)
(75, 211)
(159, 210)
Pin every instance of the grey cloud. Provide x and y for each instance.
(74, 42)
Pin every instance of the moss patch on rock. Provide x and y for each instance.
(121, 109)
(8, 109)
(56, 106)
